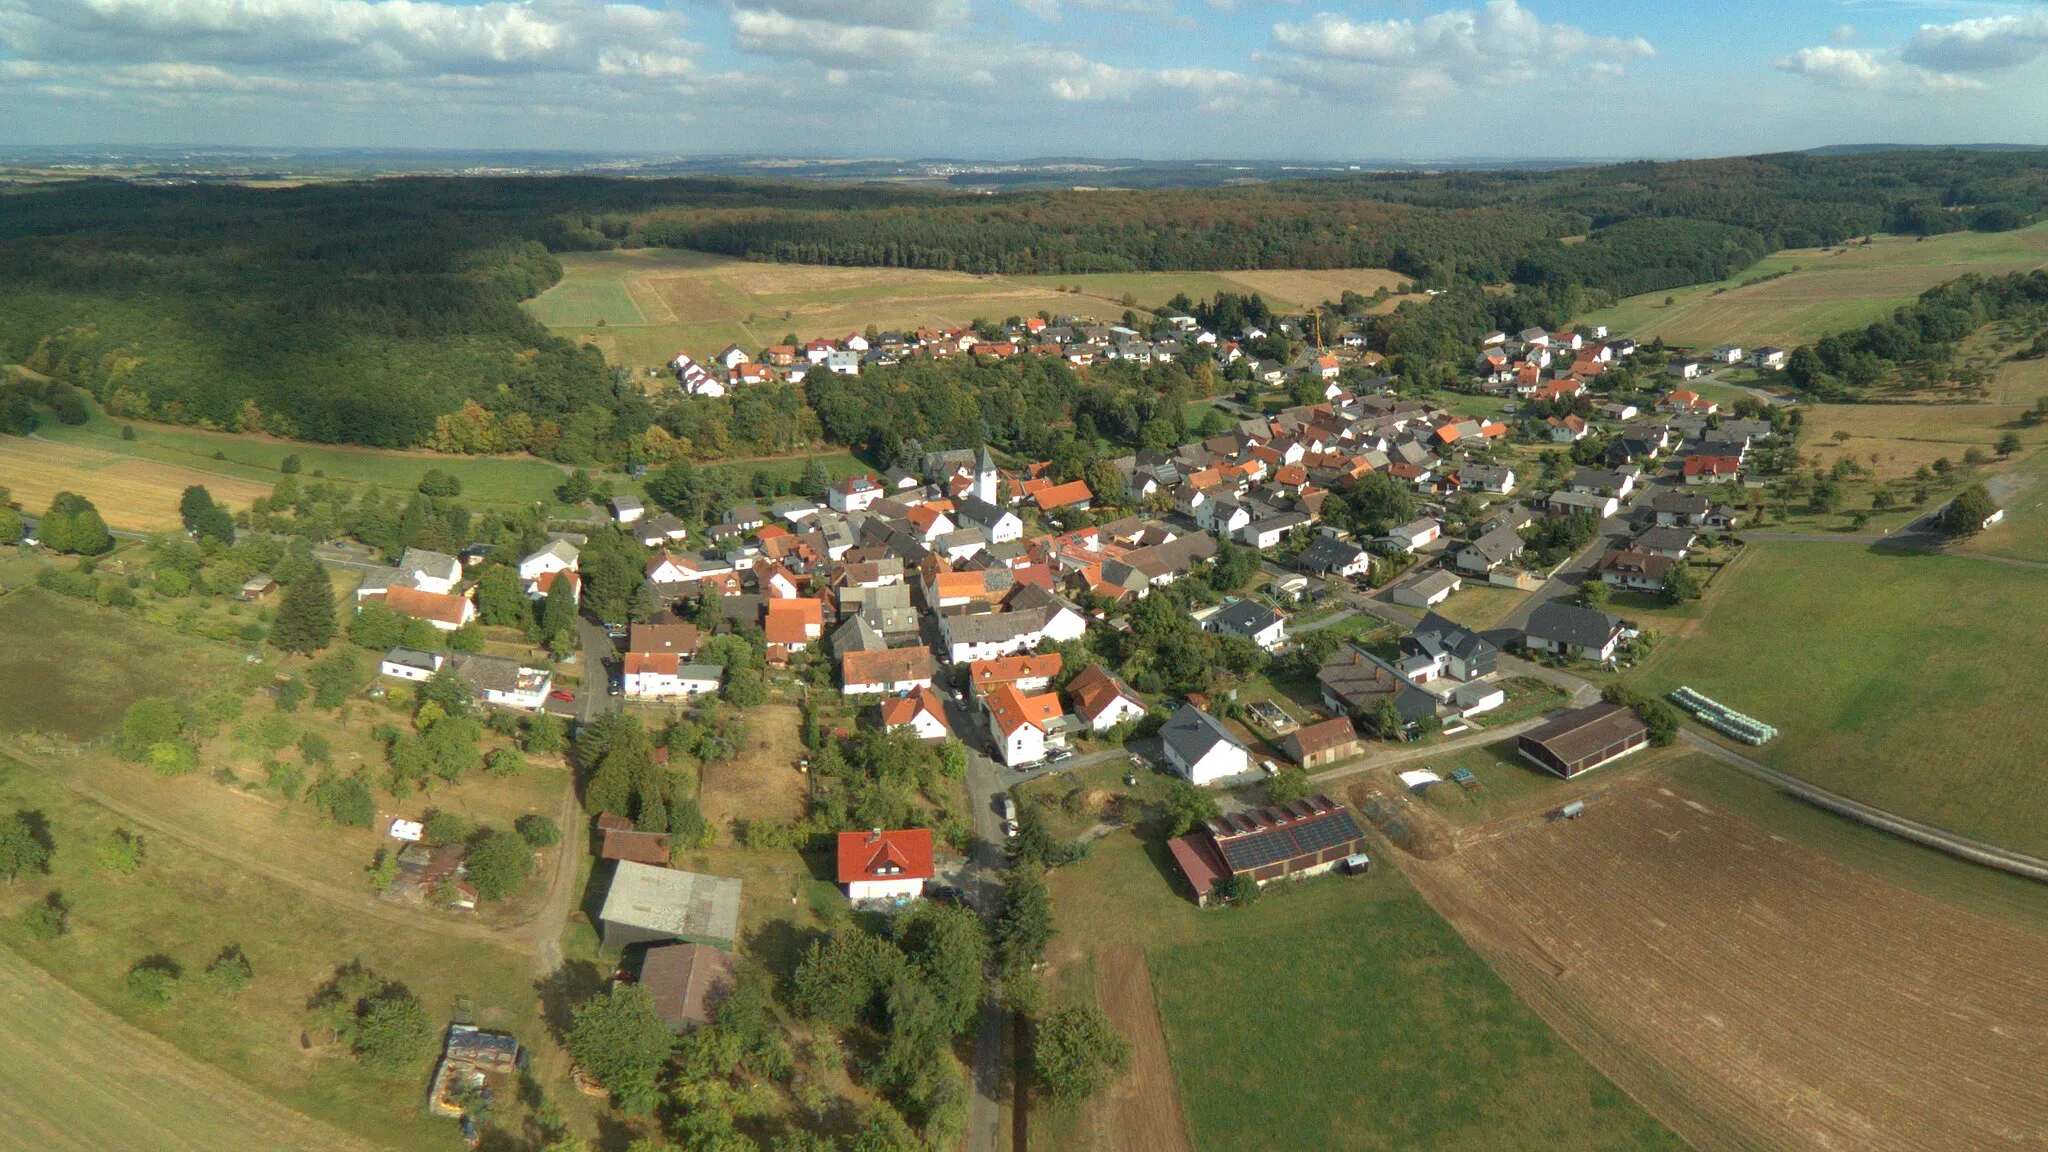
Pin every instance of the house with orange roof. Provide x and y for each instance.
(1024, 727)
(1558, 390)
(1073, 494)
(885, 671)
(922, 712)
(1565, 430)
(885, 866)
(545, 583)
(789, 626)
(1102, 701)
(1327, 367)
(1030, 673)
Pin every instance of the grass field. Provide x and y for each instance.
(1480, 605)
(2023, 491)
(71, 669)
(131, 492)
(1338, 1014)
(1905, 437)
(79, 1079)
(641, 305)
(1821, 291)
(1896, 679)
(255, 459)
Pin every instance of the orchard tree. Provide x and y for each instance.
(1076, 1052)
(618, 1040)
(24, 846)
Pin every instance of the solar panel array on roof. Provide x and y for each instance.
(1250, 840)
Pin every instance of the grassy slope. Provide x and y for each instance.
(1342, 1013)
(1832, 289)
(1905, 681)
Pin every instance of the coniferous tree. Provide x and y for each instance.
(305, 618)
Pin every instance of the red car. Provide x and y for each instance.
(561, 695)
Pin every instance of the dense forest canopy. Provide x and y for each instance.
(387, 312)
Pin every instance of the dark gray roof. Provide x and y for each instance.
(1666, 539)
(1327, 553)
(990, 627)
(1435, 634)
(1570, 624)
(1244, 617)
(1192, 732)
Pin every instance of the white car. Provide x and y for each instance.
(1271, 768)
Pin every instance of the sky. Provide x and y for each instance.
(996, 79)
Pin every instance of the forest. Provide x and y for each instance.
(1917, 346)
(387, 313)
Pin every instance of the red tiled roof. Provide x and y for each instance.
(899, 855)
(441, 606)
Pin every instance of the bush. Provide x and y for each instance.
(44, 920)
(1660, 718)
(504, 762)
(230, 971)
(444, 827)
(346, 801)
(153, 982)
(1076, 1052)
(121, 851)
(538, 831)
(499, 863)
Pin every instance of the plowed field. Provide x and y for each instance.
(1144, 1105)
(1751, 992)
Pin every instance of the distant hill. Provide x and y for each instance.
(1857, 149)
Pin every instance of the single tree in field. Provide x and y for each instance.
(305, 618)
(194, 501)
(24, 846)
(1966, 513)
(2009, 444)
(1076, 1052)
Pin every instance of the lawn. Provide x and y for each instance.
(653, 301)
(1479, 605)
(71, 669)
(1821, 290)
(256, 459)
(2023, 491)
(1899, 680)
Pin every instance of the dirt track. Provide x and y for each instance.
(1144, 1106)
(1753, 993)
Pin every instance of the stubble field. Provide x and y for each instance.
(131, 493)
(1752, 992)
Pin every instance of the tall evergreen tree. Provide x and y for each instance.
(558, 611)
(305, 618)
(499, 600)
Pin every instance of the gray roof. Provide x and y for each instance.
(686, 905)
(1326, 553)
(1435, 634)
(1432, 582)
(560, 549)
(1501, 543)
(1666, 539)
(1244, 617)
(413, 658)
(495, 673)
(1679, 502)
(979, 512)
(712, 672)
(1570, 624)
(857, 635)
(990, 627)
(1192, 733)
(425, 560)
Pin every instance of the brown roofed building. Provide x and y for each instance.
(1287, 841)
(890, 670)
(1584, 739)
(1323, 743)
(687, 982)
(680, 638)
(639, 847)
(445, 611)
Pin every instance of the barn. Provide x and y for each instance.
(1584, 739)
(1287, 841)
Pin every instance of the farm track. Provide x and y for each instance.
(1752, 993)
(1144, 1106)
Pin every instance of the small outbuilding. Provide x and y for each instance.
(687, 982)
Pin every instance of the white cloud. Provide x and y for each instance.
(857, 45)
(1874, 71)
(170, 77)
(1502, 43)
(364, 37)
(1984, 44)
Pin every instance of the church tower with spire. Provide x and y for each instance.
(985, 478)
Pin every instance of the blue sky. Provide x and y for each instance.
(1269, 79)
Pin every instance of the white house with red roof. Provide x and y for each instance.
(879, 865)
(922, 712)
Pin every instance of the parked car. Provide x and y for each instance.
(1271, 768)
(559, 694)
(1059, 755)
(1010, 828)
(1006, 804)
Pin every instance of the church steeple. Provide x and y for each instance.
(985, 477)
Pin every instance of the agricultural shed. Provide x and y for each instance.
(1305, 838)
(1584, 739)
(646, 904)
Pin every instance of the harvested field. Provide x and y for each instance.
(761, 783)
(77, 1077)
(1144, 1106)
(140, 495)
(1752, 992)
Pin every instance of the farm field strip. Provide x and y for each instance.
(134, 494)
(1144, 1106)
(1718, 971)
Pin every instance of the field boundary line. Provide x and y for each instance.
(1964, 847)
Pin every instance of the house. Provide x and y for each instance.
(1702, 469)
(1767, 359)
(789, 626)
(1023, 727)
(854, 494)
(1426, 589)
(1028, 673)
(555, 556)
(1564, 502)
(888, 671)
(1324, 742)
(1486, 478)
(1414, 534)
(675, 638)
(1615, 482)
(1201, 749)
(1584, 739)
(921, 711)
(1251, 620)
(647, 905)
(1102, 701)
(427, 571)
(1684, 369)
(1682, 508)
(1309, 837)
(1073, 494)
(626, 509)
(844, 361)
(1330, 556)
(1569, 630)
(1635, 571)
(410, 664)
(1728, 354)
(1492, 549)
(501, 681)
(1568, 429)
(885, 866)
(445, 612)
(687, 982)
(1443, 648)
(664, 676)
(999, 524)
(988, 635)
(1269, 531)
(1673, 542)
